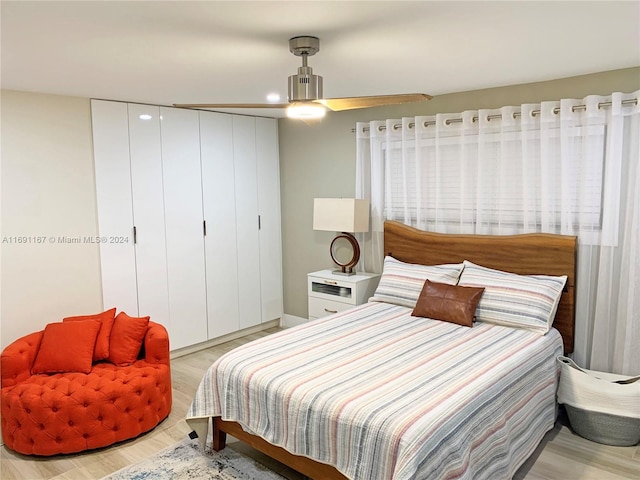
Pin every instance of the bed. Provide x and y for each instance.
(377, 393)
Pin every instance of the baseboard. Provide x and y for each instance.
(288, 321)
(179, 352)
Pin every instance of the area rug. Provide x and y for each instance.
(185, 461)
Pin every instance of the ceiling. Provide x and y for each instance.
(237, 51)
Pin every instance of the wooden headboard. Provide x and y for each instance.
(527, 254)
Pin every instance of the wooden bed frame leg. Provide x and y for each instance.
(219, 437)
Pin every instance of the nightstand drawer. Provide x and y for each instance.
(333, 290)
(320, 307)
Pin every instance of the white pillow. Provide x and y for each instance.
(521, 301)
(401, 283)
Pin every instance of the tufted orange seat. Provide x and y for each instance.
(71, 412)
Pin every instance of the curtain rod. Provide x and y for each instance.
(498, 116)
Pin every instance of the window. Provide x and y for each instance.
(498, 182)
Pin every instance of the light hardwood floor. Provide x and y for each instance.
(562, 455)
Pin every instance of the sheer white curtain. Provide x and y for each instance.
(568, 167)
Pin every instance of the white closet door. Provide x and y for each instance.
(180, 133)
(115, 213)
(219, 199)
(269, 206)
(148, 212)
(246, 185)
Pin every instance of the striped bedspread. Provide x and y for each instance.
(380, 394)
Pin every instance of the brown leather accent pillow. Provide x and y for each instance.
(449, 303)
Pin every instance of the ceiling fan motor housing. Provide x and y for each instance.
(305, 85)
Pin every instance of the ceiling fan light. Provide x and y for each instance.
(306, 110)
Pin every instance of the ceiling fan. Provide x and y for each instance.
(305, 90)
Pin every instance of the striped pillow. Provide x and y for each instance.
(521, 301)
(401, 283)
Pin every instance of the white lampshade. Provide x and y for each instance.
(341, 214)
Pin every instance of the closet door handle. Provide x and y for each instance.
(135, 235)
(204, 227)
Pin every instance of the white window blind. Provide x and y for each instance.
(498, 180)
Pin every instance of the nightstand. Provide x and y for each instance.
(330, 293)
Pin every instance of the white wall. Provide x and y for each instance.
(48, 191)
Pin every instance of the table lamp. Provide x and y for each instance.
(345, 215)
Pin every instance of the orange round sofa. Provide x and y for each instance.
(48, 414)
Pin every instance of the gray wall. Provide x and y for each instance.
(319, 161)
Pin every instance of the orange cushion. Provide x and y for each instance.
(127, 335)
(101, 350)
(67, 347)
(449, 303)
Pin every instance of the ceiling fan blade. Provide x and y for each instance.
(231, 105)
(352, 103)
